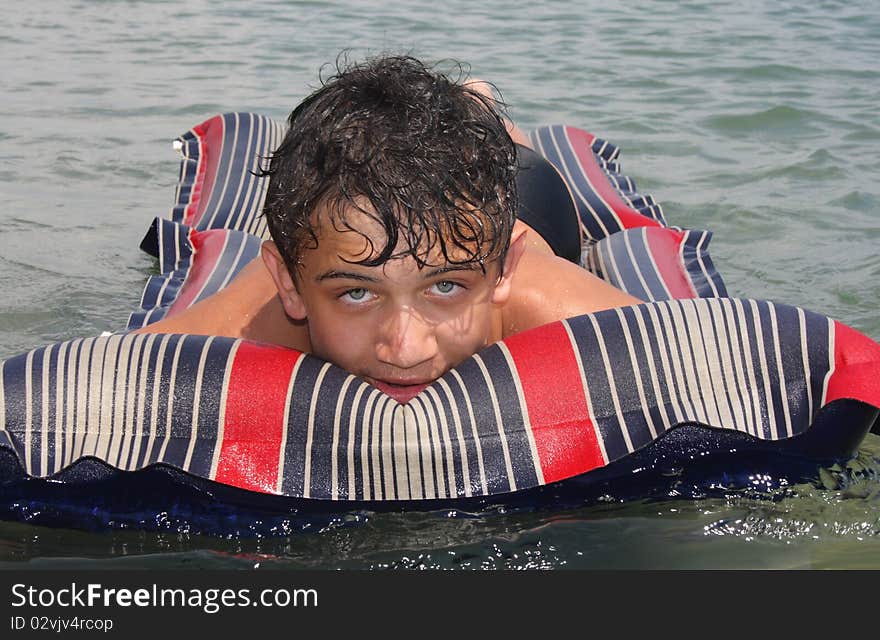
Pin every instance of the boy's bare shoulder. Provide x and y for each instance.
(247, 308)
(547, 288)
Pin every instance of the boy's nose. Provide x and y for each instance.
(406, 341)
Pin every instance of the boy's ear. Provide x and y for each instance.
(287, 291)
(515, 251)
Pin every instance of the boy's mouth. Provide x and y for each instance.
(401, 391)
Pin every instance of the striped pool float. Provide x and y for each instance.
(730, 373)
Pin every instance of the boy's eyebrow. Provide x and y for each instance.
(451, 268)
(352, 275)
(348, 275)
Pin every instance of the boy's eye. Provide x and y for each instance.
(445, 287)
(356, 295)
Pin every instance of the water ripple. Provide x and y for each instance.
(759, 122)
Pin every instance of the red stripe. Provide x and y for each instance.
(665, 247)
(551, 382)
(581, 143)
(856, 367)
(207, 249)
(253, 426)
(210, 137)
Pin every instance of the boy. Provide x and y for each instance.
(409, 231)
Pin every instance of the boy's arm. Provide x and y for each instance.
(247, 308)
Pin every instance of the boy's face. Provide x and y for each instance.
(395, 325)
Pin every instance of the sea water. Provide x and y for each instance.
(756, 119)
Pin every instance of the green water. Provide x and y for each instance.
(757, 120)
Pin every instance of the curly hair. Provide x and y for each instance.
(424, 155)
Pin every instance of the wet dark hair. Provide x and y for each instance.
(422, 154)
